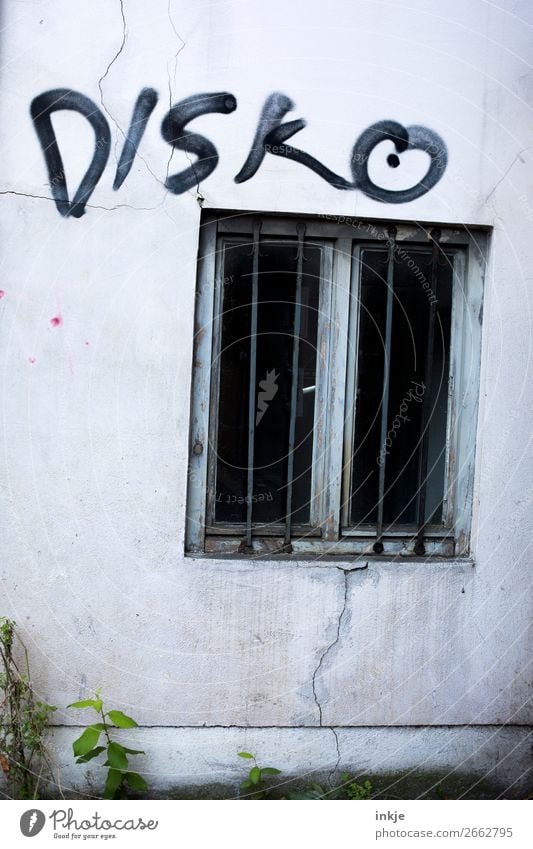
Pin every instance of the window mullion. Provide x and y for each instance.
(320, 440)
(294, 381)
(351, 389)
(337, 355)
(426, 403)
(378, 545)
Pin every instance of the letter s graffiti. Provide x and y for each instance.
(172, 130)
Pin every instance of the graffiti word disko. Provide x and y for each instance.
(64, 819)
(270, 137)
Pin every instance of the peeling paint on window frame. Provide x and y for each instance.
(328, 534)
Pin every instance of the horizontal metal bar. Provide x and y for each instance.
(328, 227)
(402, 531)
(348, 548)
(262, 530)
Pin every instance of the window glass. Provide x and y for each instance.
(399, 452)
(275, 340)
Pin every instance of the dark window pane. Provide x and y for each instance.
(370, 358)
(275, 329)
(232, 421)
(400, 450)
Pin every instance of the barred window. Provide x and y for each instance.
(335, 387)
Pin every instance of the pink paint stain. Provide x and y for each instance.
(31, 360)
(56, 321)
(2, 293)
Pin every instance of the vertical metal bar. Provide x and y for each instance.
(214, 399)
(348, 467)
(300, 229)
(419, 547)
(378, 545)
(252, 383)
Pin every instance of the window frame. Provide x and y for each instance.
(339, 299)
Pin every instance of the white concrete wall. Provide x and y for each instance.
(95, 407)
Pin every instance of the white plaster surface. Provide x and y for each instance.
(196, 758)
(95, 410)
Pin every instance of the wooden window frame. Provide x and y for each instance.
(328, 533)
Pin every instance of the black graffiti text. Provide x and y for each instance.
(270, 137)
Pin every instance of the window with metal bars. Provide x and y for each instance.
(335, 387)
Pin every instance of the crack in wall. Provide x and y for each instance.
(517, 157)
(171, 96)
(104, 75)
(336, 767)
(330, 647)
(106, 110)
(88, 205)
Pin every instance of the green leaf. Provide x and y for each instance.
(245, 755)
(90, 755)
(117, 756)
(305, 794)
(270, 770)
(46, 707)
(136, 781)
(133, 751)
(87, 703)
(245, 785)
(255, 775)
(86, 742)
(114, 780)
(121, 720)
(100, 726)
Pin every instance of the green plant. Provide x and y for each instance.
(315, 791)
(353, 790)
(255, 784)
(349, 789)
(23, 719)
(86, 748)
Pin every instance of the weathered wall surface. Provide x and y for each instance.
(96, 343)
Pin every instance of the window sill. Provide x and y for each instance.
(393, 547)
(329, 561)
